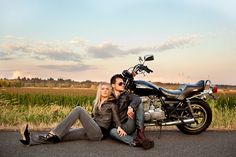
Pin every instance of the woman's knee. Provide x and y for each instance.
(79, 109)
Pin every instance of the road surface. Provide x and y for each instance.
(171, 144)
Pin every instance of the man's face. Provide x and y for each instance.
(119, 85)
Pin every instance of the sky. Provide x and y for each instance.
(81, 40)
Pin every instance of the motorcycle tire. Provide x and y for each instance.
(203, 117)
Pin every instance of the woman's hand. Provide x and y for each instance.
(121, 132)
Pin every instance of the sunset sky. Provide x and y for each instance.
(94, 39)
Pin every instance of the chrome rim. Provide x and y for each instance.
(200, 116)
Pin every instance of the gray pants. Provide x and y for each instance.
(130, 126)
(89, 131)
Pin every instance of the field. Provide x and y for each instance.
(45, 107)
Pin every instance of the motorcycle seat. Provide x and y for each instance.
(184, 91)
(173, 94)
(189, 90)
(199, 85)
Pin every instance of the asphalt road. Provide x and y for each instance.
(171, 144)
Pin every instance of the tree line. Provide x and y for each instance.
(50, 82)
(68, 83)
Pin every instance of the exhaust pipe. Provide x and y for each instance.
(186, 121)
(178, 122)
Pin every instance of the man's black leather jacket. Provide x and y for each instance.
(125, 100)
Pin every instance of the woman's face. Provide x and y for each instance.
(105, 91)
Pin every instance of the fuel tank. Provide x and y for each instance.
(144, 88)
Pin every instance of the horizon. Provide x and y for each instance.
(92, 40)
(97, 81)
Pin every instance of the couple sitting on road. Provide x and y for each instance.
(116, 113)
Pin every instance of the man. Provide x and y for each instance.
(131, 115)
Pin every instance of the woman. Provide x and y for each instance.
(96, 128)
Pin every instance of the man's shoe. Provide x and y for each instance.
(25, 135)
(141, 141)
(147, 144)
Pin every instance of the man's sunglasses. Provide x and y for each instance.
(121, 83)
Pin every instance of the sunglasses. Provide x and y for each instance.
(121, 84)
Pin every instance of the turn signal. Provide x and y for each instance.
(215, 89)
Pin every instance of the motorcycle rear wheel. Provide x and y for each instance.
(203, 117)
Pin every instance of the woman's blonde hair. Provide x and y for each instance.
(97, 101)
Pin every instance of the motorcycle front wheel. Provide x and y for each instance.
(203, 117)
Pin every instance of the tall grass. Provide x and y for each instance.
(224, 111)
(38, 109)
(45, 107)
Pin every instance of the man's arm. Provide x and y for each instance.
(134, 101)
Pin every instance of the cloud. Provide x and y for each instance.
(79, 42)
(16, 74)
(105, 50)
(68, 68)
(176, 42)
(109, 50)
(13, 47)
(69, 51)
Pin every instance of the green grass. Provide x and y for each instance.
(45, 107)
(38, 109)
(224, 111)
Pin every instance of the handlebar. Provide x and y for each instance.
(147, 69)
(140, 68)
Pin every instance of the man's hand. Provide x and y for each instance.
(130, 112)
(121, 132)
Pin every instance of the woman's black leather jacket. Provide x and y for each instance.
(107, 116)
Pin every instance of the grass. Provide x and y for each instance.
(41, 108)
(45, 107)
(224, 110)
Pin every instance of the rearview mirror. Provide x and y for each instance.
(148, 57)
(140, 59)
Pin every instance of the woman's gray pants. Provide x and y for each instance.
(89, 131)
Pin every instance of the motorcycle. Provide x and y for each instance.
(185, 107)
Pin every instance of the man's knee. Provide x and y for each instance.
(113, 132)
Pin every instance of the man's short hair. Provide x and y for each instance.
(114, 77)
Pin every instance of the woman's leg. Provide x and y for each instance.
(76, 134)
(89, 131)
(92, 130)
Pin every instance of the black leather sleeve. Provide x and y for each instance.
(115, 116)
(134, 100)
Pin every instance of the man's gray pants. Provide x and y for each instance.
(130, 126)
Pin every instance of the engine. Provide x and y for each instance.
(152, 109)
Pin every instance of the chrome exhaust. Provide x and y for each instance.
(178, 122)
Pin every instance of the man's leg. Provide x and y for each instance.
(129, 128)
(140, 138)
(139, 116)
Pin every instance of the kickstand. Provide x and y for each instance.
(159, 136)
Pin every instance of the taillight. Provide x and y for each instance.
(215, 89)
